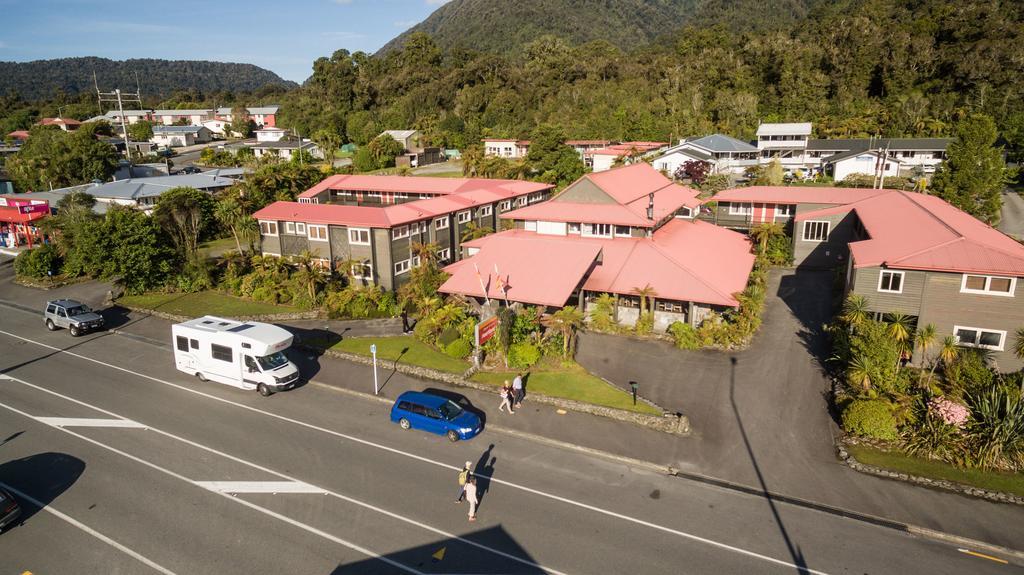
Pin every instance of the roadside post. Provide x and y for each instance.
(634, 385)
(373, 352)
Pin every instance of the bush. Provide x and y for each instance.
(523, 354)
(448, 336)
(684, 335)
(645, 323)
(37, 262)
(459, 348)
(969, 373)
(870, 418)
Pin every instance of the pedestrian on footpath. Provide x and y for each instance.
(464, 476)
(506, 398)
(471, 497)
(517, 391)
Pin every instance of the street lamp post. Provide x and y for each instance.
(373, 351)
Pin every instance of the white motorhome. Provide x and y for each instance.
(249, 355)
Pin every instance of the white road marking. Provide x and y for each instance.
(259, 487)
(78, 524)
(89, 422)
(579, 504)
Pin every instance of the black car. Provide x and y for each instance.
(9, 509)
(190, 170)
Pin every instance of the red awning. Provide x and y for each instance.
(12, 215)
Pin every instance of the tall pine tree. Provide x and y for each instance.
(974, 174)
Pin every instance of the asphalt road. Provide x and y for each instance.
(128, 458)
(1012, 222)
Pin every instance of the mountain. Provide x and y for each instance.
(506, 25)
(40, 79)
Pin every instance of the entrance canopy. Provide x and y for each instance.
(17, 215)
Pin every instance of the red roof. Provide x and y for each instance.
(324, 214)
(909, 230)
(626, 148)
(11, 214)
(419, 185)
(19, 134)
(795, 195)
(683, 261)
(58, 122)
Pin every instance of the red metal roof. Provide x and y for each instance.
(19, 134)
(909, 230)
(626, 148)
(11, 214)
(419, 185)
(795, 195)
(58, 122)
(324, 214)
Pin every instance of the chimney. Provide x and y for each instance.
(650, 206)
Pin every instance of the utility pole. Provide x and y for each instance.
(119, 97)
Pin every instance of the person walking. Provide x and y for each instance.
(506, 398)
(517, 391)
(464, 476)
(471, 497)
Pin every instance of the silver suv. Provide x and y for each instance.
(75, 316)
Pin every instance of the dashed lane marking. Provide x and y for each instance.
(89, 422)
(259, 487)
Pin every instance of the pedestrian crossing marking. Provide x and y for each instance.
(89, 422)
(439, 554)
(259, 487)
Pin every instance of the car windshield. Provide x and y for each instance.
(272, 361)
(450, 410)
(78, 310)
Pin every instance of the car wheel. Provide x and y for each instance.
(404, 423)
(201, 377)
(452, 436)
(50, 326)
(264, 390)
(75, 331)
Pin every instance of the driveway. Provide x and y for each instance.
(1012, 222)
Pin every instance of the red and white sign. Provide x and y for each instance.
(33, 208)
(486, 329)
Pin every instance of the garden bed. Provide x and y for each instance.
(403, 349)
(573, 383)
(203, 303)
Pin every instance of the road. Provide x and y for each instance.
(1012, 222)
(142, 469)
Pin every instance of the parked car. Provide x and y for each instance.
(77, 317)
(190, 170)
(436, 414)
(9, 509)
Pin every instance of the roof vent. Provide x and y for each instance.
(650, 206)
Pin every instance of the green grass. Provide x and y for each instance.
(217, 246)
(903, 463)
(571, 383)
(405, 349)
(203, 303)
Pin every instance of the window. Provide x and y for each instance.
(441, 223)
(486, 211)
(815, 231)
(194, 343)
(574, 227)
(268, 228)
(374, 195)
(622, 231)
(401, 196)
(221, 353)
(444, 255)
(977, 337)
(182, 343)
(629, 301)
(359, 236)
(989, 285)
(289, 227)
(530, 225)
(684, 212)
(464, 217)
(317, 232)
(401, 267)
(505, 205)
(669, 306)
(521, 201)
(400, 232)
(785, 210)
(889, 281)
(300, 228)
(425, 196)
(597, 230)
(736, 209)
(362, 270)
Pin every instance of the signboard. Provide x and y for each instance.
(486, 329)
(34, 208)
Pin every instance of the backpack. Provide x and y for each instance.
(463, 477)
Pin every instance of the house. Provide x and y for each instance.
(914, 156)
(218, 126)
(286, 148)
(743, 208)
(141, 193)
(270, 134)
(612, 232)
(506, 148)
(604, 158)
(784, 142)
(66, 124)
(726, 154)
(410, 139)
(192, 117)
(861, 162)
(584, 146)
(130, 116)
(414, 154)
(177, 136)
(18, 137)
(262, 116)
(372, 223)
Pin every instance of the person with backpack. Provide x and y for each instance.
(464, 476)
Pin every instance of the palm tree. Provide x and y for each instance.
(763, 233)
(1018, 344)
(565, 322)
(474, 231)
(426, 252)
(855, 311)
(925, 339)
(229, 213)
(309, 273)
(948, 352)
(427, 304)
(898, 326)
(644, 292)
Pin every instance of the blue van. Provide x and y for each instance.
(436, 414)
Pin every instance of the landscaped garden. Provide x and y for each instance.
(202, 303)
(403, 349)
(570, 381)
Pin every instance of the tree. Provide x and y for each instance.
(973, 176)
(231, 215)
(696, 170)
(771, 174)
(241, 123)
(141, 131)
(1018, 343)
(550, 160)
(329, 141)
(565, 322)
(715, 183)
(899, 327)
(474, 231)
(925, 339)
(949, 350)
(273, 182)
(52, 158)
(185, 214)
(644, 292)
(763, 233)
(855, 311)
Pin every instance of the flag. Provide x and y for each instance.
(502, 286)
(483, 287)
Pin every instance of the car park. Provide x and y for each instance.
(436, 414)
(72, 315)
(10, 511)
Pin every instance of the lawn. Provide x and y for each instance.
(897, 461)
(571, 383)
(405, 349)
(214, 248)
(203, 303)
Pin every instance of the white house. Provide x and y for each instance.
(786, 142)
(262, 115)
(130, 116)
(865, 162)
(219, 126)
(506, 148)
(410, 139)
(726, 154)
(676, 156)
(285, 148)
(270, 134)
(177, 136)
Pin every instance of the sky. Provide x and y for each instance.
(284, 36)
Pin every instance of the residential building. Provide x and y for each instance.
(506, 148)
(130, 116)
(140, 193)
(270, 134)
(372, 223)
(286, 148)
(177, 136)
(217, 126)
(861, 162)
(604, 158)
(784, 142)
(414, 153)
(262, 116)
(906, 156)
(743, 208)
(612, 232)
(725, 154)
(66, 124)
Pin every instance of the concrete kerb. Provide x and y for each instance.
(671, 423)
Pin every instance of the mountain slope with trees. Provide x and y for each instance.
(44, 79)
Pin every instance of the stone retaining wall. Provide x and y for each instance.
(669, 423)
(272, 317)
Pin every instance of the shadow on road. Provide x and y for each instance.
(43, 477)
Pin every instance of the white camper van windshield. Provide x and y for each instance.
(272, 361)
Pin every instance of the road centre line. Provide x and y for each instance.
(229, 487)
(559, 498)
(89, 422)
(89, 530)
(274, 487)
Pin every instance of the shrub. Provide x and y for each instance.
(870, 418)
(37, 262)
(969, 373)
(459, 348)
(645, 323)
(950, 412)
(684, 335)
(523, 354)
(448, 336)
